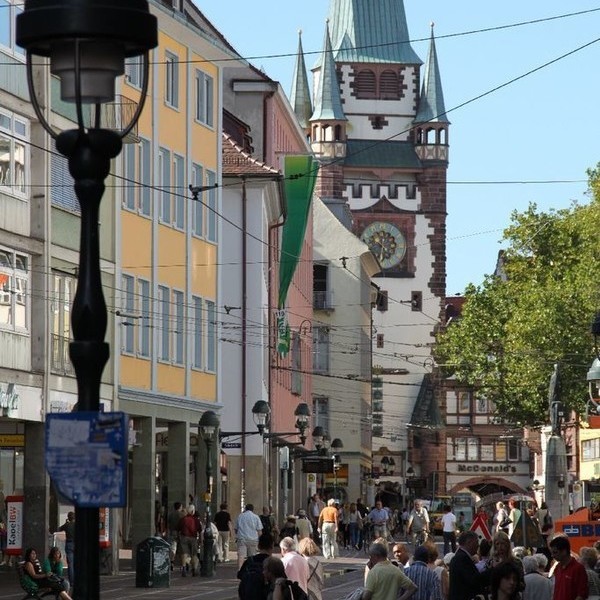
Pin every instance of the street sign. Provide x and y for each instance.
(86, 457)
(480, 527)
(531, 537)
(231, 444)
(416, 482)
(317, 465)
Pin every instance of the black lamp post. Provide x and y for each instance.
(208, 425)
(87, 43)
(337, 446)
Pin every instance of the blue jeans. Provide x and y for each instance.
(354, 533)
(70, 553)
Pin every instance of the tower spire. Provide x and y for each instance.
(431, 104)
(328, 101)
(300, 94)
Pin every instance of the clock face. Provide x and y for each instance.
(386, 242)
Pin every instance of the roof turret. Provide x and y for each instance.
(300, 94)
(328, 102)
(431, 104)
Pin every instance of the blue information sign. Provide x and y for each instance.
(86, 457)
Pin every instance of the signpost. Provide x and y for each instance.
(317, 465)
(480, 527)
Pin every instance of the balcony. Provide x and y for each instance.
(115, 115)
(323, 300)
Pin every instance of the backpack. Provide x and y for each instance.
(266, 523)
(296, 591)
(252, 583)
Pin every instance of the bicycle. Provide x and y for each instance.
(420, 537)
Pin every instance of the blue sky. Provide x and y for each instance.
(543, 127)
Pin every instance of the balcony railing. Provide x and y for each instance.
(116, 115)
(323, 300)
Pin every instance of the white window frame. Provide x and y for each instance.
(197, 337)
(9, 9)
(16, 284)
(179, 191)
(205, 89)
(321, 349)
(17, 134)
(164, 174)
(211, 337)
(171, 79)
(130, 173)
(164, 317)
(178, 327)
(128, 323)
(145, 177)
(198, 205)
(211, 202)
(134, 71)
(144, 334)
(62, 298)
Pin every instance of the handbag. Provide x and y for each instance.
(505, 523)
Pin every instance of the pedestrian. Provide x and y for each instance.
(514, 514)
(466, 581)
(3, 538)
(401, 555)
(53, 565)
(248, 527)
(68, 527)
(418, 522)
(274, 575)
(225, 530)
(173, 518)
(379, 518)
(449, 529)
(502, 553)
(570, 578)
(252, 583)
(485, 547)
(441, 571)
(500, 520)
(344, 521)
(190, 529)
(289, 528)
(537, 585)
(588, 557)
(296, 566)
(354, 526)
(504, 582)
(328, 526)
(385, 581)
(303, 525)
(316, 576)
(34, 579)
(268, 522)
(427, 582)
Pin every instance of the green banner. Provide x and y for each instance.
(300, 176)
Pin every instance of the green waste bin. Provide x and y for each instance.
(152, 563)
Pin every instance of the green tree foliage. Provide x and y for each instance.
(534, 312)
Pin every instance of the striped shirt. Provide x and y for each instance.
(427, 582)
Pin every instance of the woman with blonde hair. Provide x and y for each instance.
(316, 577)
(502, 553)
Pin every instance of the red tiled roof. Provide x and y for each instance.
(238, 162)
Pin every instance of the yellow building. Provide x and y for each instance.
(167, 257)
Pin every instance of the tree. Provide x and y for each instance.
(535, 311)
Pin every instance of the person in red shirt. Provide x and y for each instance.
(190, 529)
(570, 578)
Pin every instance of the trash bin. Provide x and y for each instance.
(152, 563)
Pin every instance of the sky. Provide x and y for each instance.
(531, 140)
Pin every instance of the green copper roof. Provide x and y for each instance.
(300, 95)
(372, 31)
(431, 103)
(384, 154)
(328, 101)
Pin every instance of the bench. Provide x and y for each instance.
(31, 593)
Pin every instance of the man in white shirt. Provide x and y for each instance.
(296, 566)
(248, 527)
(449, 530)
(418, 523)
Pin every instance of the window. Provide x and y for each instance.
(388, 86)
(321, 349)
(590, 449)
(172, 79)
(198, 205)
(164, 316)
(145, 178)
(164, 169)
(514, 449)
(64, 290)
(179, 186)
(144, 334)
(197, 336)
(321, 412)
(204, 98)
(9, 9)
(211, 337)
(211, 233)
(62, 193)
(14, 159)
(365, 84)
(128, 319)
(178, 332)
(382, 300)
(14, 284)
(133, 71)
(130, 176)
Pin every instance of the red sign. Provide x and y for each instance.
(480, 527)
(14, 525)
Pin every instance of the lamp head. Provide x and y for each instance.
(208, 424)
(261, 413)
(302, 414)
(317, 435)
(593, 378)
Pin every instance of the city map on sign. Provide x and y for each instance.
(86, 457)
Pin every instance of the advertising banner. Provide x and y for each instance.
(14, 525)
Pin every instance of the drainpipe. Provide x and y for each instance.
(244, 337)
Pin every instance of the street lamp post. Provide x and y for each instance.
(337, 446)
(87, 43)
(208, 425)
